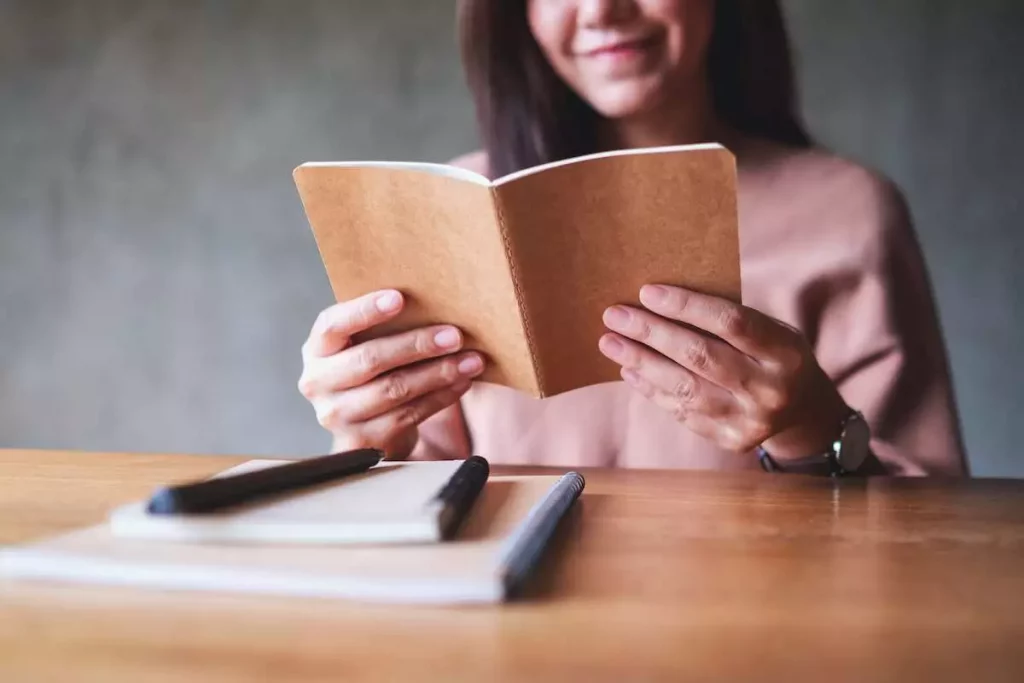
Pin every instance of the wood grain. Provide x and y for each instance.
(656, 576)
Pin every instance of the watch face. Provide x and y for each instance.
(854, 444)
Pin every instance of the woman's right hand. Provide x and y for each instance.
(375, 394)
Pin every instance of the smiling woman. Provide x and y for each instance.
(545, 90)
(834, 364)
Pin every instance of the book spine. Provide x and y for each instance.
(460, 492)
(517, 288)
(527, 543)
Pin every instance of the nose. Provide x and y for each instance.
(593, 13)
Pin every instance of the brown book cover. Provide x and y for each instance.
(526, 264)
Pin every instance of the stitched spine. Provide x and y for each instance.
(517, 288)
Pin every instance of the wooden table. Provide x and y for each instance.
(657, 575)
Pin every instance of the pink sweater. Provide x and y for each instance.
(826, 246)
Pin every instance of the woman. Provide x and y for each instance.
(834, 365)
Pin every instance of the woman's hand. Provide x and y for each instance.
(374, 394)
(728, 372)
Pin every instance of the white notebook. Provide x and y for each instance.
(389, 503)
(489, 560)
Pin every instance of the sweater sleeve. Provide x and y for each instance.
(880, 340)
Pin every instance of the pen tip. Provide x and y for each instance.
(163, 502)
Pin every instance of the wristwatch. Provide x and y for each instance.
(845, 455)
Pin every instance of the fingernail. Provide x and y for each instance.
(389, 302)
(653, 294)
(470, 366)
(630, 377)
(448, 338)
(611, 346)
(616, 317)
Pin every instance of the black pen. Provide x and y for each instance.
(220, 492)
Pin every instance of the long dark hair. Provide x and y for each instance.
(527, 115)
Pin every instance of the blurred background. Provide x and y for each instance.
(157, 274)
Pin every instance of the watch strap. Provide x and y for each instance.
(829, 462)
(819, 464)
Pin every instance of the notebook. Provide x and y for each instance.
(490, 559)
(389, 503)
(526, 264)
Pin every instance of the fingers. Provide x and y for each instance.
(751, 332)
(387, 427)
(685, 393)
(730, 373)
(364, 362)
(374, 394)
(720, 424)
(335, 326)
(699, 424)
(397, 388)
(703, 355)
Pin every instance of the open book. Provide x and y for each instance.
(526, 264)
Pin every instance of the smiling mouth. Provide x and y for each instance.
(624, 48)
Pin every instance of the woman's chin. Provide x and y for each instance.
(626, 100)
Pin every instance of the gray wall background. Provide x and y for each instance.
(157, 275)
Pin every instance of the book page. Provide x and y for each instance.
(445, 170)
(432, 236)
(588, 234)
(541, 168)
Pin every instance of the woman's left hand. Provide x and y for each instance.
(730, 373)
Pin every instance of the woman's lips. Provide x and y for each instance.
(635, 45)
(622, 54)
